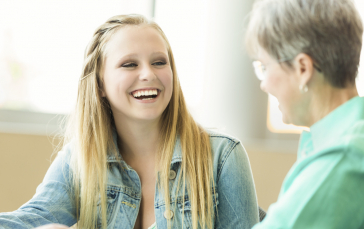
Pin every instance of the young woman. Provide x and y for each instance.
(307, 55)
(135, 158)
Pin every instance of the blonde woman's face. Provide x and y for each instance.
(138, 80)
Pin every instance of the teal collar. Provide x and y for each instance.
(327, 132)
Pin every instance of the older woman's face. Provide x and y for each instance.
(283, 83)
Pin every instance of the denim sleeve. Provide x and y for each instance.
(237, 206)
(52, 202)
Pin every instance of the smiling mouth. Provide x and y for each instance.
(145, 94)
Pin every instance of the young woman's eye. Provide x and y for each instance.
(129, 65)
(159, 63)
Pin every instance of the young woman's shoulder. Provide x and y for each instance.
(216, 136)
(64, 155)
(233, 181)
(222, 143)
(228, 152)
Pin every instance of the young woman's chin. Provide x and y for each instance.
(149, 116)
(138, 114)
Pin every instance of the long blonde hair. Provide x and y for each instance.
(92, 123)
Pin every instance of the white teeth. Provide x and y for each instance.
(145, 93)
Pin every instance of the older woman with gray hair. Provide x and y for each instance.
(307, 54)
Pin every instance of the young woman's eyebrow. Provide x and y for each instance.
(159, 54)
(132, 56)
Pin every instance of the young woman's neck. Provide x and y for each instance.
(137, 139)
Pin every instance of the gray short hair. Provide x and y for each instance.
(329, 31)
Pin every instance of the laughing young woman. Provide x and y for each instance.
(134, 156)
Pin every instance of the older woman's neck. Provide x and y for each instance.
(327, 98)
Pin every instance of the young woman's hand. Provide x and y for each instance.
(53, 226)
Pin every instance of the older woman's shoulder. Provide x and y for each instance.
(354, 137)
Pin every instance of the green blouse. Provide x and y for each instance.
(325, 187)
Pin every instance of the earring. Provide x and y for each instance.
(303, 88)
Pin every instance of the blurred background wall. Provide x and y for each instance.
(24, 160)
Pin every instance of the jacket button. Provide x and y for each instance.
(168, 214)
(172, 174)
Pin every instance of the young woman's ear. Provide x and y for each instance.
(304, 68)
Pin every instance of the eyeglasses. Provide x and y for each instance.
(261, 69)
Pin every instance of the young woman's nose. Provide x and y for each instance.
(147, 73)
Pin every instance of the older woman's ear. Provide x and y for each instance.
(304, 67)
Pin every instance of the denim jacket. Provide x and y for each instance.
(236, 201)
